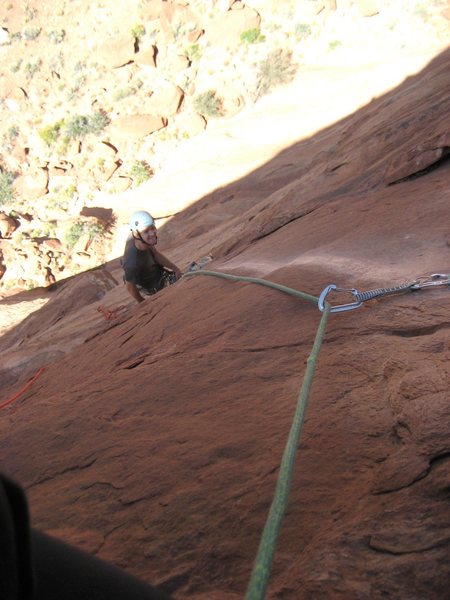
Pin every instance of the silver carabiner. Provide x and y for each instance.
(339, 307)
(432, 280)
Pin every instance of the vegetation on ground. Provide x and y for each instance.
(140, 172)
(6, 186)
(252, 36)
(276, 69)
(208, 104)
(80, 228)
(81, 125)
(75, 128)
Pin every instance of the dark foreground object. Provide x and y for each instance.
(35, 566)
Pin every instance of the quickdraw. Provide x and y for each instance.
(360, 297)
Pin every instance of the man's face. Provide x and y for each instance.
(149, 235)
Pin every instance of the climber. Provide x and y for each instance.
(146, 270)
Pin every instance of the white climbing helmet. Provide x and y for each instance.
(140, 220)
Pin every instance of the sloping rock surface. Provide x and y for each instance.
(153, 440)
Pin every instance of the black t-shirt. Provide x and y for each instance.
(141, 267)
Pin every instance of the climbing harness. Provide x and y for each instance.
(360, 297)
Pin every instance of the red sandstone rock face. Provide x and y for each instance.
(155, 442)
(117, 51)
(226, 28)
(165, 101)
(7, 225)
(33, 184)
(136, 126)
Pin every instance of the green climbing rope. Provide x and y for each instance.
(271, 284)
(263, 563)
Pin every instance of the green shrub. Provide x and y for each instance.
(80, 228)
(94, 230)
(56, 62)
(13, 132)
(140, 172)
(252, 36)
(302, 30)
(138, 31)
(334, 44)
(50, 133)
(16, 66)
(30, 13)
(32, 68)
(277, 68)
(79, 66)
(74, 234)
(78, 83)
(32, 33)
(6, 187)
(57, 36)
(128, 91)
(193, 52)
(69, 192)
(15, 37)
(208, 104)
(82, 125)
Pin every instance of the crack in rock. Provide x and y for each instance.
(411, 543)
(80, 467)
(418, 331)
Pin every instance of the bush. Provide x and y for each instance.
(50, 133)
(208, 104)
(140, 172)
(6, 187)
(74, 234)
(193, 52)
(13, 132)
(57, 36)
(80, 228)
(131, 90)
(32, 33)
(32, 68)
(275, 69)
(94, 230)
(30, 13)
(302, 30)
(138, 31)
(82, 125)
(252, 36)
(334, 44)
(16, 66)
